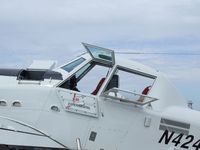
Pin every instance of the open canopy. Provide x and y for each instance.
(99, 54)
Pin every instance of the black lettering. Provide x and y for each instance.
(166, 137)
(196, 145)
(177, 140)
(185, 145)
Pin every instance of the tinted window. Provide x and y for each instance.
(101, 55)
(73, 64)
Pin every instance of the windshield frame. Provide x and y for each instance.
(130, 70)
(92, 64)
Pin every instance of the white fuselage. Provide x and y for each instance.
(117, 126)
(44, 114)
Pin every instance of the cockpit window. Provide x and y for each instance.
(133, 81)
(130, 85)
(69, 67)
(89, 79)
(93, 80)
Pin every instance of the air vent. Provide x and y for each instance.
(93, 136)
(3, 103)
(16, 104)
(55, 108)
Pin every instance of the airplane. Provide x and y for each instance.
(97, 101)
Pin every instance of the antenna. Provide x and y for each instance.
(157, 53)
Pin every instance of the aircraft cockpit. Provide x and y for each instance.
(103, 76)
(101, 63)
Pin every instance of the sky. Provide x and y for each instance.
(54, 29)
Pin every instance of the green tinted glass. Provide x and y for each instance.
(101, 55)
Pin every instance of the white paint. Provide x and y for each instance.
(120, 126)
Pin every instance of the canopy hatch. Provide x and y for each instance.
(99, 54)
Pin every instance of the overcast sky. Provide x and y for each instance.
(54, 29)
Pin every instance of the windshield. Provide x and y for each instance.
(69, 67)
(89, 79)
